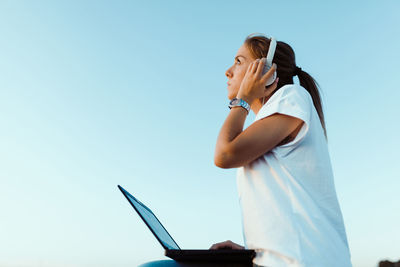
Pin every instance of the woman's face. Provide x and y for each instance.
(237, 71)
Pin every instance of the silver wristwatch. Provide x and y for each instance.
(238, 102)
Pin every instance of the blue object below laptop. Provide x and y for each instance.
(172, 249)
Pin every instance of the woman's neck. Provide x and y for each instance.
(257, 104)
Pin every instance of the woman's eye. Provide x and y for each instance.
(237, 61)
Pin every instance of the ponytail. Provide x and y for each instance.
(311, 86)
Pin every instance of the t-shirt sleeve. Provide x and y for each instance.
(292, 100)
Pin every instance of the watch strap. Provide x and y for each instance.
(239, 103)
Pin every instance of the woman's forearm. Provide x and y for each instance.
(231, 128)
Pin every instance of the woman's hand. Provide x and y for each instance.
(253, 83)
(226, 245)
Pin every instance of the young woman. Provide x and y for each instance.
(290, 212)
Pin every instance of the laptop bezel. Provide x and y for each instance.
(125, 192)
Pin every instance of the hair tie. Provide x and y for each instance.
(297, 70)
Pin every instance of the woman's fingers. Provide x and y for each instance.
(235, 246)
(218, 245)
(253, 83)
(253, 66)
(249, 68)
(221, 245)
(226, 245)
(257, 66)
(214, 246)
(260, 66)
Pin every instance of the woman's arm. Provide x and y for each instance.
(236, 147)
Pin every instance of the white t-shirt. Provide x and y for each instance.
(290, 212)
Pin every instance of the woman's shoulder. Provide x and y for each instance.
(291, 90)
(290, 99)
(290, 93)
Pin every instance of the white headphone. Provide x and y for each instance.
(268, 63)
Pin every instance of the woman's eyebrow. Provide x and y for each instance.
(239, 56)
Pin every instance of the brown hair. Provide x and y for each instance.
(285, 60)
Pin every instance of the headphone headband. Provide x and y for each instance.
(271, 51)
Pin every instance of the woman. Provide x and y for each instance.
(290, 211)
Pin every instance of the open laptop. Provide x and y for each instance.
(172, 249)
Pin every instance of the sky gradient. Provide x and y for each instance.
(99, 93)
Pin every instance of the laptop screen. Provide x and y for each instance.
(151, 221)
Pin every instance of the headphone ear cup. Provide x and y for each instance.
(272, 78)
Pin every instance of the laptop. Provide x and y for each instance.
(173, 251)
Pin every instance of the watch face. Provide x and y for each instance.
(235, 101)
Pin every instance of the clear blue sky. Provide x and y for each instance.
(99, 93)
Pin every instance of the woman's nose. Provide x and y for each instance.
(228, 73)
